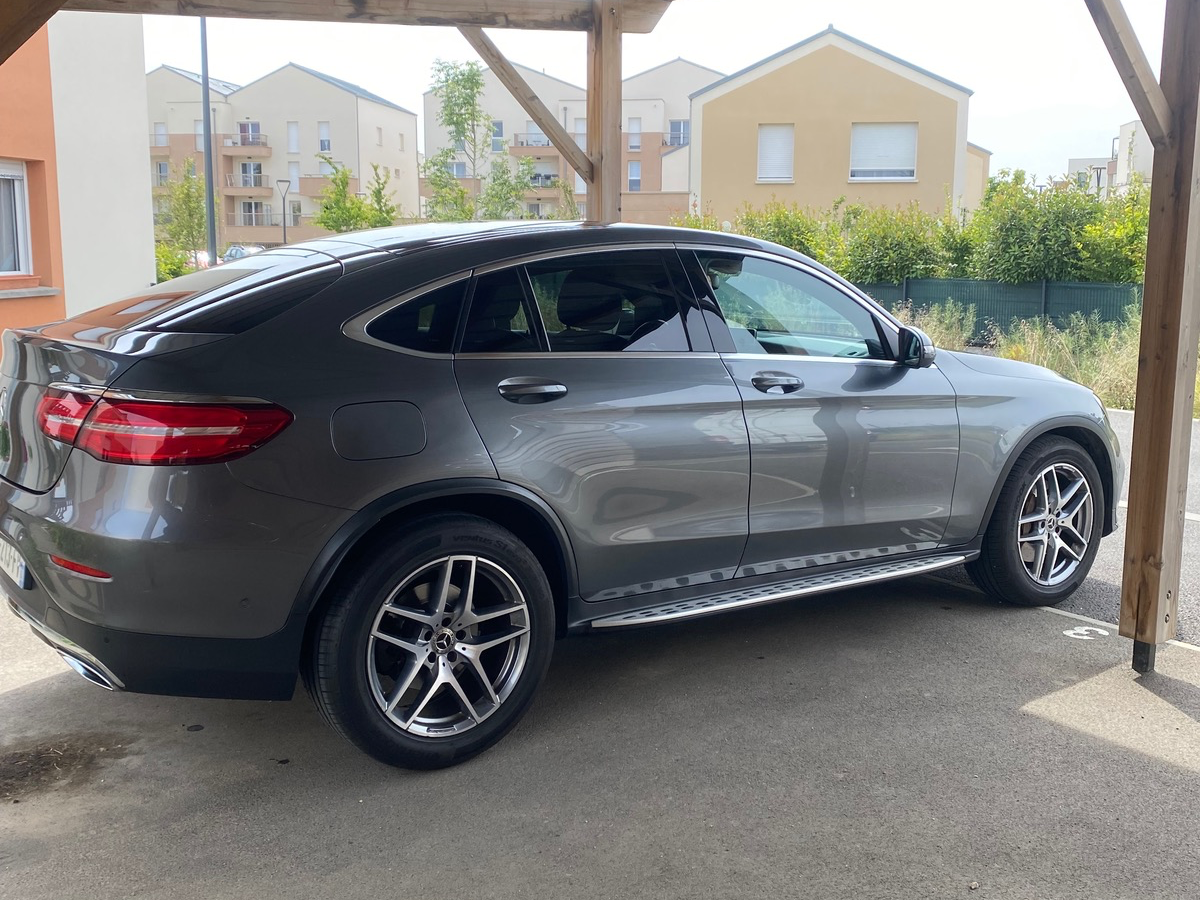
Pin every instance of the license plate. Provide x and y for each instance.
(12, 563)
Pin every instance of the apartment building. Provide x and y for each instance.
(833, 117)
(655, 122)
(72, 164)
(270, 137)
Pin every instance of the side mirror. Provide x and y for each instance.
(916, 348)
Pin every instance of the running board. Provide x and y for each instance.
(770, 593)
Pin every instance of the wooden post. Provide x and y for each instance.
(20, 20)
(604, 112)
(1167, 359)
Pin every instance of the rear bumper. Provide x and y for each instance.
(233, 669)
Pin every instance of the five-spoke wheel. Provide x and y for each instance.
(1042, 537)
(432, 648)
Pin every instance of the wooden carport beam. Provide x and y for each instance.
(1134, 68)
(20, 20)
(529, 100)
(1167, 356)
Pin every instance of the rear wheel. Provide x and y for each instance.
(433, 649)
(1042, 539)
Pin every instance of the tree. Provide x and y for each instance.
(448, 199)
(383, 211)
(459, 90)
(340, 210)
(185, 218)
(505, 190)
(568, 208)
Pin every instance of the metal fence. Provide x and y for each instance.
(998, 304)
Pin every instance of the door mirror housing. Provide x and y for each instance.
(916, 348)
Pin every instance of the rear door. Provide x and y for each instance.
(594, 384)
(852, 455)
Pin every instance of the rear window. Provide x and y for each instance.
(224, 299)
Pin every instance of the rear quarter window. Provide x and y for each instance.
(425, 323)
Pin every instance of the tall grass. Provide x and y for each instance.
(950, 324)
(1101, 355)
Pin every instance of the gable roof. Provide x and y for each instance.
(842, 36)
(215, 84)
(354, 89)
(671, 62)
(539, 72)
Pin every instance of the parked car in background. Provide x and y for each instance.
(401, 463)
(240, 251)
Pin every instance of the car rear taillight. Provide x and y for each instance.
(61, 415)
(152, 433)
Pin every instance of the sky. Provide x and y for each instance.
(1045, 88)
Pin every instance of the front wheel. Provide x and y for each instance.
(1044, 533)
(433, 649)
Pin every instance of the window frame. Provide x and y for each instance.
(886, 324)
(629, 179)
(852, 178)
(759, 178)
(497, 135)
(18, 174)
(698, 336)
(357, 327)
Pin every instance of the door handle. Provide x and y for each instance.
(777, 383)
(527, 389)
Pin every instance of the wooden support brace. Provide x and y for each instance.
(1167, 357)
(529, 100)
(1134, 69)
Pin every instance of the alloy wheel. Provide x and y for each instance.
(1055, 524)
(448, 646)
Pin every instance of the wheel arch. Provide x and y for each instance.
(519, 510)
(1082, 431)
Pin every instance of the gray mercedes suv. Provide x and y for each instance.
(402, 463)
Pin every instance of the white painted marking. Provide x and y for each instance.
(1071, 615)
(1190, 516)
(1085, 632)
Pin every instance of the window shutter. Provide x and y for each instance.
(776, 144)
(883, 150)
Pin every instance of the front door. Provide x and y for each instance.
(592, 387)
(853, 456)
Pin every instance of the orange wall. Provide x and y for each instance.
(27, 133)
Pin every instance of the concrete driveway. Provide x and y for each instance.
(914, 741)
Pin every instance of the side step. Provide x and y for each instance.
(770, 593)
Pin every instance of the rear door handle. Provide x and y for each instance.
(777, 383)
(529, 389)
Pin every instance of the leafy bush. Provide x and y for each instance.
(888, 245)
(951, 325)
(169, 261)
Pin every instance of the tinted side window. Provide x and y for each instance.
(774, 308)
(424, 323)
(499, 321)
(608, 302)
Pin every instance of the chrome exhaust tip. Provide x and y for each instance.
(87, 671)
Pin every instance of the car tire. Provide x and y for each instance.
(1038, 547)
(420, 688)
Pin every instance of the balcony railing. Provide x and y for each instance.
(676, 140)
(265, 219)
(544, 181)
(244, 179)
(536, 139)
(159, 180)
(244, 139)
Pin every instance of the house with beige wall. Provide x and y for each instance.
(72, 169)
(654, 121)
(833, 117)
(277, 129)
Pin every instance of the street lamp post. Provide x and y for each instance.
(284, 185)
